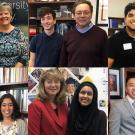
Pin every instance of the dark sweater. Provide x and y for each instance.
(84, 49)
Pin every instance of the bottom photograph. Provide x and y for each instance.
(67, 101)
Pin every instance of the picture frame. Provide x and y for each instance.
(102, 13)
(114, 84)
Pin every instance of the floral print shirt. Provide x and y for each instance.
(13, 48)
(9, 130)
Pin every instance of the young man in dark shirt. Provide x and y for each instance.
(121, 48)
(45, 47)
(85, 45)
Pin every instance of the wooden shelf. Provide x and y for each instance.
(63, 12)
(57, 19)
(115, 24)
(51, 2)
(9, 86)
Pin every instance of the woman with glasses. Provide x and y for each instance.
(84, 117)
(10, 122)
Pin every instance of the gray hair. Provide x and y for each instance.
(6, 6)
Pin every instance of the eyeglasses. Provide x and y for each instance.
(84, 13)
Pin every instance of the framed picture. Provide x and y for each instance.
(102, 13)
(114, 84)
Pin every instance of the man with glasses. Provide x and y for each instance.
(85, 45)
(121, 48)
(45, 47)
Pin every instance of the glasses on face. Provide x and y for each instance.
(80, 13)
(89, 93)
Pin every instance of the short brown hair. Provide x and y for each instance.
(52, 74)
(46, 10)
(6, 6)
(82, 2)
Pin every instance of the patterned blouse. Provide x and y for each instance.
(9, 130)
(13, 48)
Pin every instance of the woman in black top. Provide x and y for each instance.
(84, 117)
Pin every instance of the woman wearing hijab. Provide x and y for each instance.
(84, 117)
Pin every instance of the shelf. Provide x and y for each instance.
(63, 10)
(57, 19)
(51, 2)
(9, 86)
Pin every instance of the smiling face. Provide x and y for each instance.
(130, 20)
(7, 108)
(130, 88)
(82, 15)
(86, 96)
(48, 22)
(70, 88)
(5, 17)
(52, 87)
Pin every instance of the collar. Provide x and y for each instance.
(125, 34)
(130, 100)
(51, 36)
(85, 29)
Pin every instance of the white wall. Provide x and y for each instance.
(94, 3)
(116, 7)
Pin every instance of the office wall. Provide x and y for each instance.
(116, 7)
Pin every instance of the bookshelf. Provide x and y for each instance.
(115, 25)
(15, 82)
(64, 17)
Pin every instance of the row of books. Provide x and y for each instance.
(116, 23)
(49, 0)
(61, 11)
(21, 96)
(13, 75)
(60, 28)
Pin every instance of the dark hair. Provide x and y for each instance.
(82, 2)
(16, 111)
(130, 75)
(129, 7)
(70, 80)
(46, 10)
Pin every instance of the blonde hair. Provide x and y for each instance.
(52, 74)
(6, 6)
